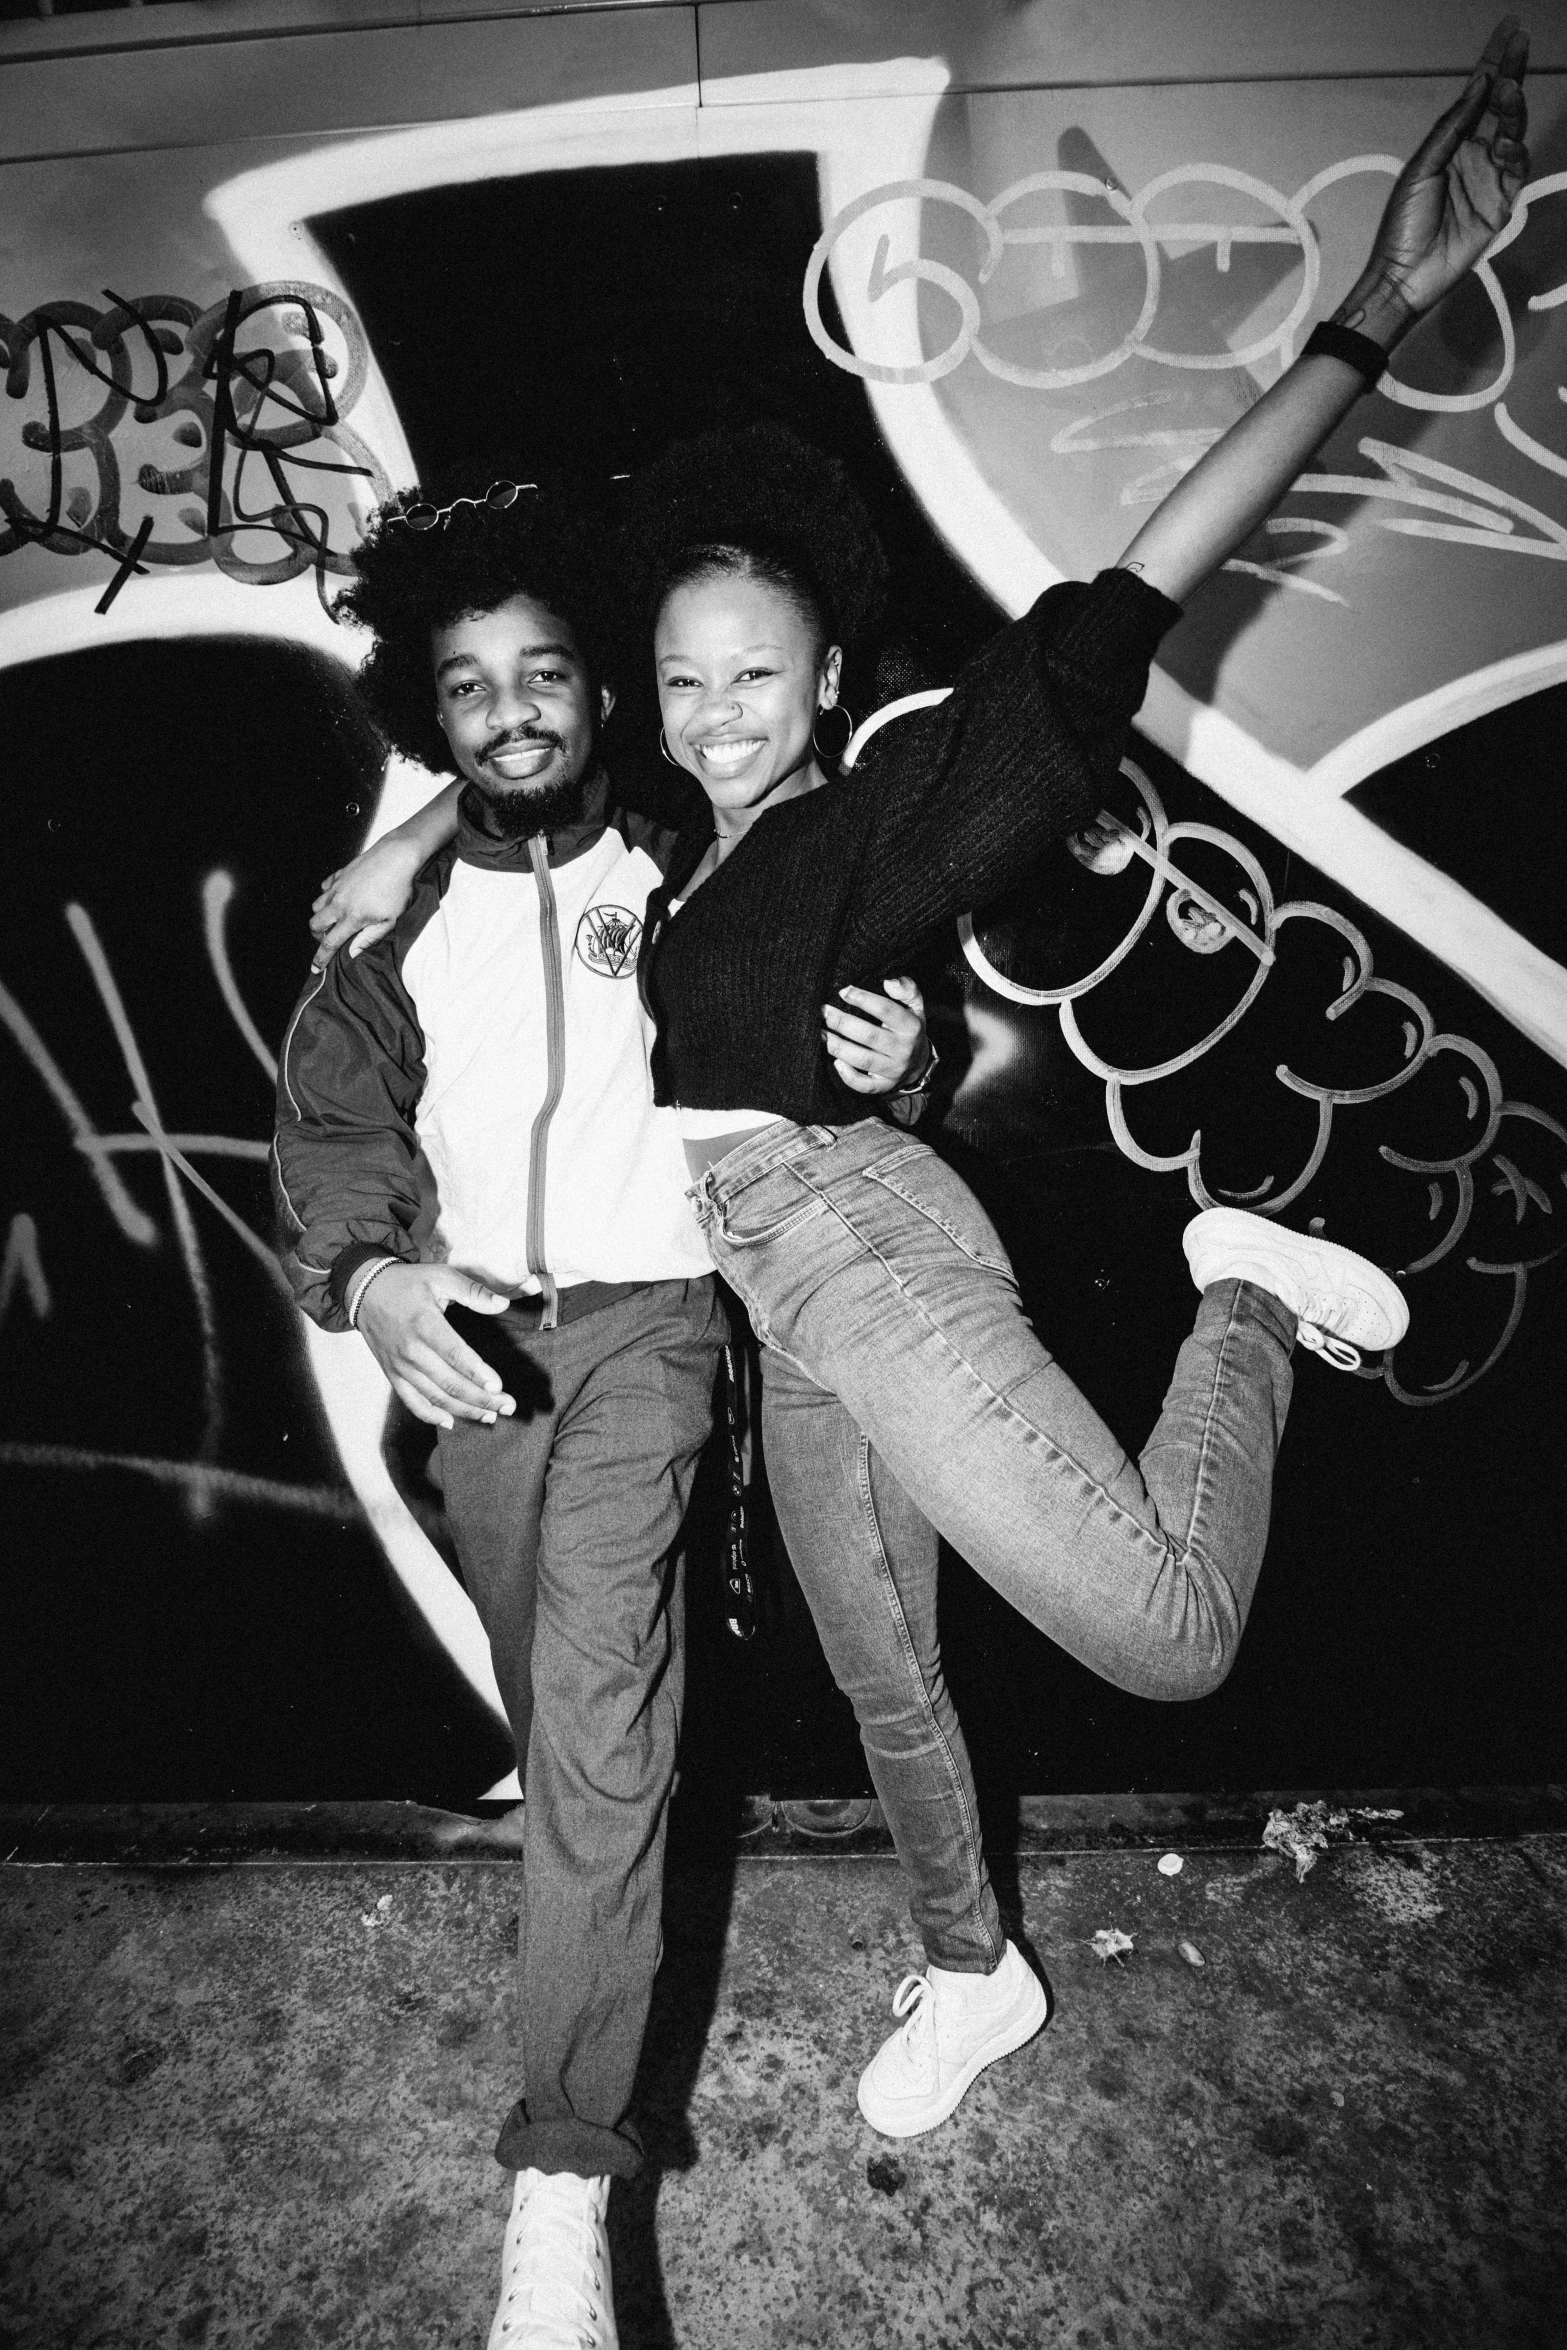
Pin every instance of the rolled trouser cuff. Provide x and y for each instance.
(563, 2143)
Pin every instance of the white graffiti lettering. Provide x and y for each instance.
(1254, 922)
(1136, 224)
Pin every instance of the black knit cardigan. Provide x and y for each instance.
(842, 885)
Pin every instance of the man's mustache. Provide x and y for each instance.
(518, 736)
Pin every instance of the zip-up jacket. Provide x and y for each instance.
(474, 1089)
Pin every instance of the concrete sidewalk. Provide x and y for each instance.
(253, 2106)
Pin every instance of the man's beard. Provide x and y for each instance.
(517, 811)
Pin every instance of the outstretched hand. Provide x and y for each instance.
(1449, 203)
(1455, 195)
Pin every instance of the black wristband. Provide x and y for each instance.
(1329, 341)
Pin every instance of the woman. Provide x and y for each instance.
(895, 1351)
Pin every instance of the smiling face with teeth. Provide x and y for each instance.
(742, 678)
(519, 710)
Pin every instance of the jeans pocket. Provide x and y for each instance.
(927, 1184)
(769, 1209)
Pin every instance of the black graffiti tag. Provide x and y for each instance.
(226, 427)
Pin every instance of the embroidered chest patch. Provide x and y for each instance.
(607, 940)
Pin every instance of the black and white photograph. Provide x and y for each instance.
(783, 992)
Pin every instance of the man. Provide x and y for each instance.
(466, 1121)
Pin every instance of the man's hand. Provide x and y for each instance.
(889, 1048)
(402, 1319)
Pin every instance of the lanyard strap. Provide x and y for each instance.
(739, 1588)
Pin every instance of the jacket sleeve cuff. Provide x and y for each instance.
(345, 1266)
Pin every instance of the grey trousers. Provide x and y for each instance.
(564, 1520)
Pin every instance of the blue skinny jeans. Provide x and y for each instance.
(905, 1396)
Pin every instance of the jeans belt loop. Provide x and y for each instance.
(716, 1205)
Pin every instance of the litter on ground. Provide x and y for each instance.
(1110, 1942)
(1307, 1830)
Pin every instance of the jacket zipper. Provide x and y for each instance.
(555, 1077)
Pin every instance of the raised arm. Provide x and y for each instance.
(1449, 202)
(360, 901)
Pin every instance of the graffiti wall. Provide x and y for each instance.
(1018, 276)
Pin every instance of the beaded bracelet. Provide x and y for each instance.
(361, 1282)
(1331, 341)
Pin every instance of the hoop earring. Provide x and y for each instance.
(664, 750)
(833, 710)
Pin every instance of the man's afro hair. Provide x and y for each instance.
(765, 489)
(408, 582)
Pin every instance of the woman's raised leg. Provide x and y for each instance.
(872, 1265)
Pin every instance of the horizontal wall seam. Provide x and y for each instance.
(411, 20)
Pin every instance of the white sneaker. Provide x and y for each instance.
(1342, 1302)
(957, 2024)
(556, 2288)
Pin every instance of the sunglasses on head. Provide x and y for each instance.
(497, 498)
